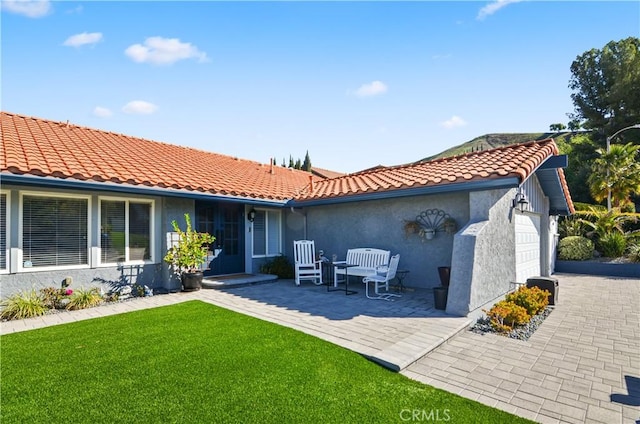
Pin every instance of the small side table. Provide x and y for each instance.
(400, 276)
(346, 267)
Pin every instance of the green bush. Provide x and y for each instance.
(24, 304)
(533, 299)
(575, 248)
(613, 244)
(279, 266)
(82, 299)
(633, 252)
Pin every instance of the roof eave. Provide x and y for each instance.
(509, 182)
(32, 180)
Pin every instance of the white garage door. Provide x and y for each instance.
(527, 246)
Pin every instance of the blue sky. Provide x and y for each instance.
(357, 84)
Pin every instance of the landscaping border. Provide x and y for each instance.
(629, 270)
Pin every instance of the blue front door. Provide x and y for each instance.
(224, 221)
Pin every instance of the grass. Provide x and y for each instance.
(195, 362)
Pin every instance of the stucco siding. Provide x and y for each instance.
(483, 253)
(379, 224)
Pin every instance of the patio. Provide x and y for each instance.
(391, 333)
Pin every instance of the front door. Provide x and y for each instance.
(225, 222)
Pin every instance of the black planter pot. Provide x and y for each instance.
(444, 272)
(191, 281)
(440, 297)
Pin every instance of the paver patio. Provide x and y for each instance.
(582, 364)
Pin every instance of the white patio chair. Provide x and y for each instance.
(381, 279)
(305, 263)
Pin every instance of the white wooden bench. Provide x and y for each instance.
(366, 261)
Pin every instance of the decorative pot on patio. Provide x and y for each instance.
(440, 297)
(445, 273)
(192, 281)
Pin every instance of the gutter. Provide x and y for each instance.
(30, 180)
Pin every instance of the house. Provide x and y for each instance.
(97, 206)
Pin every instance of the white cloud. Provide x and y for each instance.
(79, 40)
(492, 8)
(374, 88)
(77, 9)
(102, 112)
(29, 8)
(164, 51)
(454, 122)
(139, 107)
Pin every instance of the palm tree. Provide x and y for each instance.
(616, 170)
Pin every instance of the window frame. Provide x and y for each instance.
(7, 246)
(268, 254)
(127, 201)
(21, 267)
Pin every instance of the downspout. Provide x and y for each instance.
(304, 216)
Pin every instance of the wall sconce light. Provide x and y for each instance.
(520, 201)
(251, 216)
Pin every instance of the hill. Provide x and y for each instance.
(491, 141)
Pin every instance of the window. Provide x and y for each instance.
(125, 231)
(4, 232)
(55, 231)
(266, 233)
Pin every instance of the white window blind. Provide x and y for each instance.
(54, 231)
(266, 233)
(3, 231)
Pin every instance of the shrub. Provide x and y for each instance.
(633, 252)
(26, 304)
(571, 226)
(279, 266)
(504, 315)
(82, 299)
(533, 299)
(575, 248)
(613, 244)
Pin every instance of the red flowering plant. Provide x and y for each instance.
(57, 298)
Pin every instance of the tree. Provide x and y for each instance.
(306, 165)
(574, 125)
(618, 171)
(291, 161)
(298, 164)
(557, 127)
(606, 87)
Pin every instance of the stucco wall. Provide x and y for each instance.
(155, 275)
(483, 253)
(379, 224)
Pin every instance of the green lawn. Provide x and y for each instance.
(195, 362)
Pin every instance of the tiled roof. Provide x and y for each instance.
(518, 160)
(325, 173)
(55, 149)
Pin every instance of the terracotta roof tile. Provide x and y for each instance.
(518, 160)
(55, 149)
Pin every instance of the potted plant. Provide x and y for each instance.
(188, 254)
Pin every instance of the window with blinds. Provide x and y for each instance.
(267, 233)
(3, 231)
(125, 231)
(54, 231)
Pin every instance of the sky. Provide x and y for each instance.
(356, 84)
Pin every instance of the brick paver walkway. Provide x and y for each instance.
(581, 366)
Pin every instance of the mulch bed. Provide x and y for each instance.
(522, 332)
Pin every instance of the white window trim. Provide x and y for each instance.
(269, 255)
(7, 246)
(152, 244)
(21, 267)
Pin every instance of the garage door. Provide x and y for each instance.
(527, 246)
